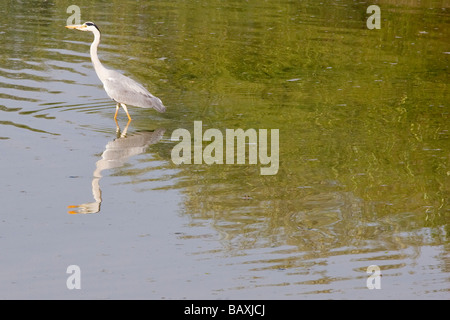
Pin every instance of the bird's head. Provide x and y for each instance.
(87, 26)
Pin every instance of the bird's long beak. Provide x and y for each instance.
(76, 26)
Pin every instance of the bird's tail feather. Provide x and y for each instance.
(157, 104)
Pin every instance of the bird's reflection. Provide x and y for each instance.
(116, 153)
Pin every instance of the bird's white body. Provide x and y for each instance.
(127, 91)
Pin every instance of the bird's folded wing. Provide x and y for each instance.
(125, 90)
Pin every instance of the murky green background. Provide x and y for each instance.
(363, 117)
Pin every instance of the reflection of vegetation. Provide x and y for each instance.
(363, 114)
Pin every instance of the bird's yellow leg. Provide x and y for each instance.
(117, 110)
(126, 110)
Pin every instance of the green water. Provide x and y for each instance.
(363, 120)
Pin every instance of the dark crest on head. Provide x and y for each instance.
(89, 23)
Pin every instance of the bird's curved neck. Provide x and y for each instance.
(99, 68)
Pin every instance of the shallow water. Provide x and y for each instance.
(363, 175)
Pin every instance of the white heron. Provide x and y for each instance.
(120, 88)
